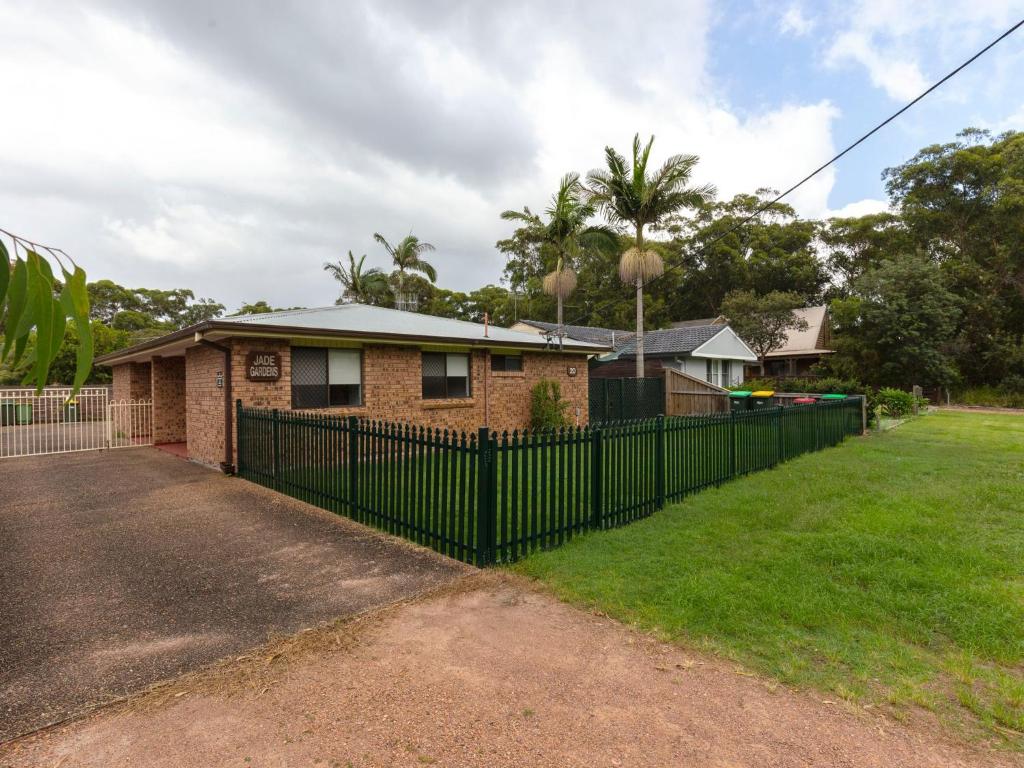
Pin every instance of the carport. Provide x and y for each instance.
(127, 567)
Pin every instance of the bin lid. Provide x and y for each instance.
(740, 393)
(804, 400)
(833, 397)
(765, 393)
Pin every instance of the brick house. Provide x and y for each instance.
(352, 359)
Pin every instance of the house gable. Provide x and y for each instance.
(725, 345)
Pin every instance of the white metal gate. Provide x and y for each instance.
(130, 423)
(52, 421)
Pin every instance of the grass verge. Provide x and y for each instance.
(888, 571)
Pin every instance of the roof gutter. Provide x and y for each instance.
(228, 465)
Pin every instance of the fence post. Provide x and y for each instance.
(596, 480)
(782, 435)
(659, 462)
(486, 529)
(732, 444)
(275, 432)
(353, 463)
(238, 426)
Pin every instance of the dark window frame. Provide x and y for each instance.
(442, 383)
(505, 358)
(326, 400)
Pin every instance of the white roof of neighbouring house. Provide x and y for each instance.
(353, 321)
(810, 341)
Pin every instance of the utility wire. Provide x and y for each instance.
(765, 206)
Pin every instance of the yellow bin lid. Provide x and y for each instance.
(764, 393)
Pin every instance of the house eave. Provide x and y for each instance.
(225, 329)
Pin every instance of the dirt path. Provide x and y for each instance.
(488, 673)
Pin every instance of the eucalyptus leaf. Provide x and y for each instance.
(17, 296)
(5, 273)
(42, 299)
(75, 302)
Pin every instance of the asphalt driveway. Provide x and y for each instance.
(122, 568)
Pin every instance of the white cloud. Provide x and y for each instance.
(858, 208)
(892, 40)
(158, 164)
(901, 78)
(794, 22)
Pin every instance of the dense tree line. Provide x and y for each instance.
(930, 293)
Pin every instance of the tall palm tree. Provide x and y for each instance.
(358, 286)
(407, 256)
(563, 238)
(629, 195)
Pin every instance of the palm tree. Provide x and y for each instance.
(358, 286)
(563, 237)
(628, 195)
(407, 256)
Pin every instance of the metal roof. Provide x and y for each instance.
(672, 341)
(808, 341)
(606, 337)
(356, 321)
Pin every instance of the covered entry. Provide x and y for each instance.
(158, 381)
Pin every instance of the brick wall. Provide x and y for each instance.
(168, 388)
(392, 390)
(204, 405)
(132, 381)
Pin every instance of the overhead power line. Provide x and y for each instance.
(765, 206)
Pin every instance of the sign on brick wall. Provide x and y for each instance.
(263, 366)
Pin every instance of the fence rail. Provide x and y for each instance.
(485, 498)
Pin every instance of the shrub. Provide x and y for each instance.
(992, 397)
(547, 408)
(896, 403)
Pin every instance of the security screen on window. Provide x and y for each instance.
(322, 378)
(445, 374)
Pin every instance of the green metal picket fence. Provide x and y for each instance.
(486, 497)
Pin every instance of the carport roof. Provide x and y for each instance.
(349, 321)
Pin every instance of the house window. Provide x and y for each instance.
(322, 378)
(718, 372)
(506, 362)
(445, 375)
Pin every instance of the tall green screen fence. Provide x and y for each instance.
(626, 399)
(486, 497)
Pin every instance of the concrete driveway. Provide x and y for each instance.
(122, 568)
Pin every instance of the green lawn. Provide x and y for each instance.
(888, 571)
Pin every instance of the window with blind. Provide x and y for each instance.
(445, 375)
(322, 378)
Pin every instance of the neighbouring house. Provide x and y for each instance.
(802, 350)
(606, 337)
(712, 352)
(353, 359)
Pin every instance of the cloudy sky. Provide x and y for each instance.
(233, 147)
